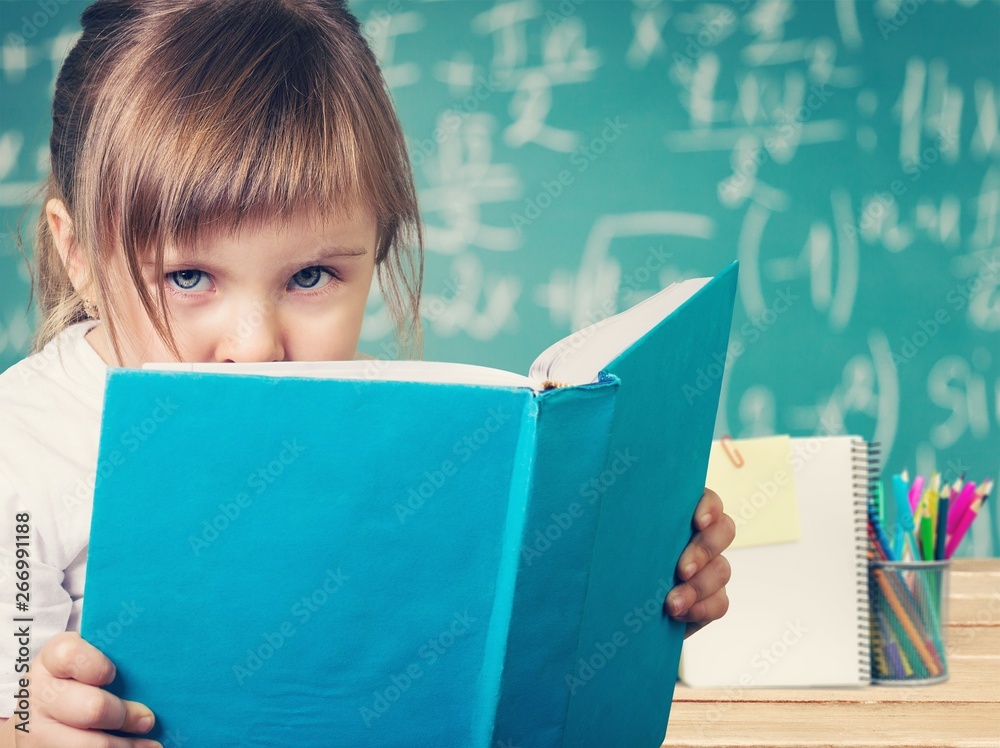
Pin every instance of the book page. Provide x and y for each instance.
(373, 370)
(580, 357)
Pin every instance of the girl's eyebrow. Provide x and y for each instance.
(340, 250)
(183, 256)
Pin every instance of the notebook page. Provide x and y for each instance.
(794, 611)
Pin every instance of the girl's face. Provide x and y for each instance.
(274, 293)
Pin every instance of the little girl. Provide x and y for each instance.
(227, 180)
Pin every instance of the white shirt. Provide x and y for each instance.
(50, 417)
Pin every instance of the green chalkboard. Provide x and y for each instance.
(573, 157)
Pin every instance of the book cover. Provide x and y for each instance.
(294, 559)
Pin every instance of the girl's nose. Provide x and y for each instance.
(256, 335)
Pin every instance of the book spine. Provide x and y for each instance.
(866, 467)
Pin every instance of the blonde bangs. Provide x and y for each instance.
(261, 115)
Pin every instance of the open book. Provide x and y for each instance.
(394, 553)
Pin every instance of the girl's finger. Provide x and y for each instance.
(705, 546)
(683, 600)
(705, 611)
(90, 708)
(66, 655)
(57, 736)
(709, 509)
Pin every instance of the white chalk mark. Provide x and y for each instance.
(986, 234)
(505, 21)
(944, 109)
(565, 54)
(14, 60)
(819, 247)
(11, 143)
(725, 139)
(703, 88)
(887, 8)
(867, 138)
(775, 53)
(383, 32)
(593, 292)
(768, 18)
(748, 253)
(530, 107)
(481, 305)
(986, 138)
(941, 224)
(748, 109)
(758, 411)
(458, 73)
(847, 260)
(847, 22)
(462, 178)
(647, 39)
(887, 420)
(910, 114)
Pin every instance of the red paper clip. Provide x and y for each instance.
(734, 457)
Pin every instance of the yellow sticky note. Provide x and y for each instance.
(759, 494)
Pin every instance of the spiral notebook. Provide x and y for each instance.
(798, 613)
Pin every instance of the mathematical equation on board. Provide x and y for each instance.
(767, 84)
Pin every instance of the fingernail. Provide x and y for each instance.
(704, 521)
(675, 605)
(689, 569)
(145, 724)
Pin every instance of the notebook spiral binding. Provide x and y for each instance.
(866, 466)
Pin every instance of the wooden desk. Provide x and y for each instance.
(962, 712)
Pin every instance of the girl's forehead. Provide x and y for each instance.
(348, 224)
(348, 215)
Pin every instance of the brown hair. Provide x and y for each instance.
(175, 119)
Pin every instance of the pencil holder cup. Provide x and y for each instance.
(908, 614)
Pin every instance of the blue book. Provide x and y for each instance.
(409, 553)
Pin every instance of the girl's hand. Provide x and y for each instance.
(68, 707)
(701, 597)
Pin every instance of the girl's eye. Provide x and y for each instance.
(187, 280)
(312, 277)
